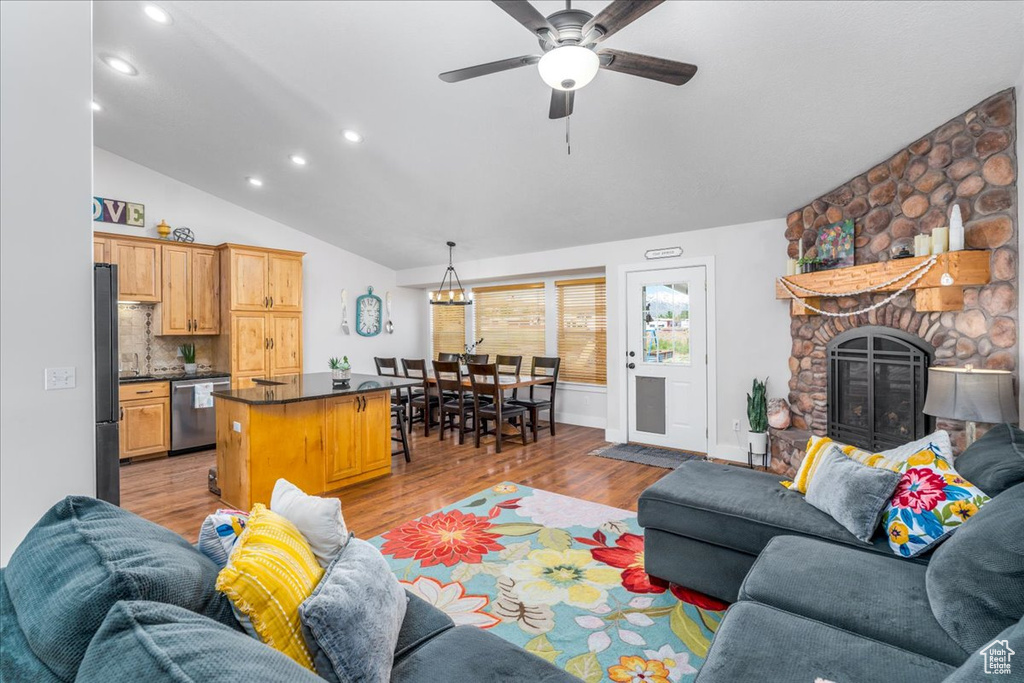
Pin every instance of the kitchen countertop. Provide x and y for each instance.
(172, 377)
(313, 387)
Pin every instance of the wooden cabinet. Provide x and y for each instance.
(138, 269)
(190, 292)
(100, 250)
(284, 282)
(263, 280)
(266, 345)
(285, 353)
(145, 424)
(358, 441)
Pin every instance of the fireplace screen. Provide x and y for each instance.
(876, 387)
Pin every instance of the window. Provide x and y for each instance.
(448, 325)
(510, 320)
(582, 325)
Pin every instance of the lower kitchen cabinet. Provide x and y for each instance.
(145, 425)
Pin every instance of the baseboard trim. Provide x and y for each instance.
(581, 420)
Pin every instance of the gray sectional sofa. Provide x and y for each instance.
(813, 601)
(95, 593)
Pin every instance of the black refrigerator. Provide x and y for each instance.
(108, 463)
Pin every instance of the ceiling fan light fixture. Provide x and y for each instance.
(569, 67)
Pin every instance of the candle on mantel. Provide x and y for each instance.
(791, 266)
(940, 240)
(922, 245)
(956, 230)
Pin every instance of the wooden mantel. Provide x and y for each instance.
(968, 268)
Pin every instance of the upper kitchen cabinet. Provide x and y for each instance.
(190, 297)
(138, 269)
(262, 279)
(100, 250)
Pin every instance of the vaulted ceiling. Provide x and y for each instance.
(791, 99)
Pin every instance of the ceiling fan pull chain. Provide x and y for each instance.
(568, 147)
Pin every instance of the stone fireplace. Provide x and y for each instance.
(968, 161)
(876, 381)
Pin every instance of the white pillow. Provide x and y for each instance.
(939, 438)
(319, 519)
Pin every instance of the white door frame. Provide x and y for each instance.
(619, 364)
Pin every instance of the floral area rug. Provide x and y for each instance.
(558, 576)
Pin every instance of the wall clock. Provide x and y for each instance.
(368, 314)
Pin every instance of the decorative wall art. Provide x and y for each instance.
(118, 211)
(835, 245)
(368, 314)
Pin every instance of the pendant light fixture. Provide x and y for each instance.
(451, 296)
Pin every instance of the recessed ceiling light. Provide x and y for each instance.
(352, 136)
(298, 160)
(255, 182)
(119, 65)
(96, 106)
(157, 14)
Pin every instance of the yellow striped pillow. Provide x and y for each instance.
(816, 447)
(271, 571)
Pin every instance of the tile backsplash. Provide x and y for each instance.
(157, 354)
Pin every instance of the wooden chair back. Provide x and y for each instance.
(542, 366)
(509, 365)
(449, 376)
(478, 358)
(416, 368)
(484, 378)
(387, 367)
(448, 357)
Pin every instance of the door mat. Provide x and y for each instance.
(646, 455)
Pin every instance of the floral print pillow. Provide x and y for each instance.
(931, 500)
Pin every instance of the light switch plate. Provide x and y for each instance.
(59, 378)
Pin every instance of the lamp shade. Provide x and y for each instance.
(968, 394)
(569, 67)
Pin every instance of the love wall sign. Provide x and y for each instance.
(117, 211)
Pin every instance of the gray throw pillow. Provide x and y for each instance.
(352, 620)
(855, 495)
(995, 462)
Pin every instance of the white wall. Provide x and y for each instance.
(326, 268)
(46, 437)
(752, 328)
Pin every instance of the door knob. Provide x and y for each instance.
(630, 365)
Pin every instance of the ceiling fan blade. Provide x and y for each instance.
(617, 16)
(561, 103)
(489, 68)
(645, 66)
(527, 15)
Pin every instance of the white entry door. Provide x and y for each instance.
(667, 357)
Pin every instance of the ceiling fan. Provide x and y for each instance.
(569, 39)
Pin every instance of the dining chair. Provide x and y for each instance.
(455, 404)
(542, 367)
(478, 358)
(424, 401)
(486, 382)
(509, 366)
(448, 357)
(388, 367)
(398, 413)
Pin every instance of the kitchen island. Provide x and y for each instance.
(319, 435)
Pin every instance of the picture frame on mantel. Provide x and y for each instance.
(834, 245)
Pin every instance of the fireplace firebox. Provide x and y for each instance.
(877, 377)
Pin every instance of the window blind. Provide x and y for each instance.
(448, 327)
(582, 330)
(510, 320)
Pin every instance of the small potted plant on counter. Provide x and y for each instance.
(188, 355)
(757, 416)
(341, 370)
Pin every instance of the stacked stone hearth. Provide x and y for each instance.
(968, 161)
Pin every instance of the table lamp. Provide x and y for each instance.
(971, 395)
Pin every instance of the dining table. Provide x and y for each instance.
(506, 382)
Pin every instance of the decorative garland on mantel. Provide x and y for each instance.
(921, 270)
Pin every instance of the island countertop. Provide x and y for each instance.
(313, 387)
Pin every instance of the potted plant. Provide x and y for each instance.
(470, 349)
(757, 416)
(188, 354)
(341, 370)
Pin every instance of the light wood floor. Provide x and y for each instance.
(173, 492)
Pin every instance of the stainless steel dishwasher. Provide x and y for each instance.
(192, 427)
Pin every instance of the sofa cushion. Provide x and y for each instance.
(16, 657)
(158, 643)
(851, 493)
(996, 657)
(756, 642)
(352, 620)
(82, 557)
(995, 462)
(976, 578)
(738, 508)
(467, 654)
(422, 622)
(868, 594)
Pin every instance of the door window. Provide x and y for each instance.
(666, 323)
